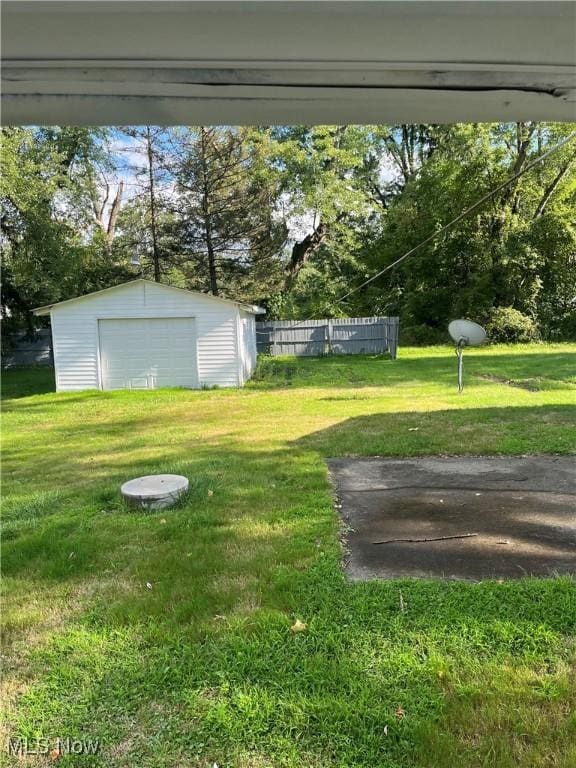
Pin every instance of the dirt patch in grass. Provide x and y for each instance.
(527, 385)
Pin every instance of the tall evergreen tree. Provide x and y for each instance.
(225, 197)
(146, 238)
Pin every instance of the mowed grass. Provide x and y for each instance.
(167, 635)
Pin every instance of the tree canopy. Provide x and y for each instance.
(295, 217)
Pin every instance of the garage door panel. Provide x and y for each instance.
(145, 353)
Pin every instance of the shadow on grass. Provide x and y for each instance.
(23, 382)
(201, 666)
(81, 483)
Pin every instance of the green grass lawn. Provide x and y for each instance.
(167, 635)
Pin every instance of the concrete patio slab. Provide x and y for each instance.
(492, 517)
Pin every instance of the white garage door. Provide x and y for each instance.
(145, 353)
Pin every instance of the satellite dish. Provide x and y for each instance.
(466, 334)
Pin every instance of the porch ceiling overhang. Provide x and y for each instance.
(267, 61)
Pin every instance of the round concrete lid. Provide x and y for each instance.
(155, 490)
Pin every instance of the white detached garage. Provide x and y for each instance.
(143, 335)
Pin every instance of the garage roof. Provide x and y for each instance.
(49, 307)
(271, 61)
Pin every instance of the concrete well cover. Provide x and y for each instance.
(154, 491)
(491, 517)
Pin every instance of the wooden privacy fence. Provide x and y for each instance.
(348, 336)
(35, 350)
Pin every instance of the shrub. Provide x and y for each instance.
(422, 335)
(509, 325)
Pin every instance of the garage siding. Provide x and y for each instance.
(247, 343)
(75, 332)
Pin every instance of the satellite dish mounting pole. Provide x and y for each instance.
(460, 353)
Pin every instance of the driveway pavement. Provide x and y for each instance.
(488, 517)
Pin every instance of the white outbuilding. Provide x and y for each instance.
(144, 335)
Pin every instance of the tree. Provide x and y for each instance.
(145, 222)
(106, 219)
(46, 191)
(294, 217)
(225, 197)
(322, 184)
(496, 257)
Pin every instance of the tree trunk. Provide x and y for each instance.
(207, 215)
(303, 250)
(153, 222)
(549, 191)
(510, 195)
(99, 208)
(113, 218)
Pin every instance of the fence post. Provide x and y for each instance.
(394, 323)
(328, 336)
(383, 323)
